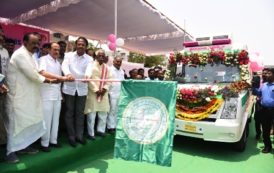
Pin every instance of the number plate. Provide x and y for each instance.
(190, 128)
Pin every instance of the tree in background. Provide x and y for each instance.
(136, 57)
(156, 60)
(148, 61)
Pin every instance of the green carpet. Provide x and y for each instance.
(59, 158)
(189, 156)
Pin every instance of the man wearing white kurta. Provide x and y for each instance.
(97, 99)
(51, 96)
(74, 66)
(114, 92)
(24, 104)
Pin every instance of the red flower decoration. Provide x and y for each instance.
(171, 59)
(243, 57)
(185, 59)
(195, 59)
(217, 56)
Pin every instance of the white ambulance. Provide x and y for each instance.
(214, 101)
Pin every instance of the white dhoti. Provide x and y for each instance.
(101, 126)
(112, 116)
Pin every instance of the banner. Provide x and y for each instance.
(146, 117)
(17, 31)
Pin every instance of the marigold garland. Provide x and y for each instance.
(198, 113)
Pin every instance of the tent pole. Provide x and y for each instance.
(184, 33)
(183, 66)
(115, 21)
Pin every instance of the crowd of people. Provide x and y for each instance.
(43, 83)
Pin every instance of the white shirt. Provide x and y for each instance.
(51, 65)
(36, 58)
(4, 55)
(76, 66)
(147, 78)
(115, 87)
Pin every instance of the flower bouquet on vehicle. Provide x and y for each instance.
(196, 104)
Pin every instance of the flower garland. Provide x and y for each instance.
(196, 104)
(196, 97)
(238, 58)
(228, 57)
(234, 89)
(172, 59)
(198, 113)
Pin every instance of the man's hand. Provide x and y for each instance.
(63, 79)
(3, 89)
(51, 81)
(70, 78)
(86, 79)
(103, 91)
(98, 93)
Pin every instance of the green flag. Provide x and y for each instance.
(146, 121)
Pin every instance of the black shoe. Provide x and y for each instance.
(111, 131)
(101, 134)
(91, 137)
(45, 149)
(266, 150)
(81, 141)
(12, 158)
(56, 145)
(72, 143)
(28, 150)
(258, 137)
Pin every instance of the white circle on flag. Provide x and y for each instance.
(145, 120)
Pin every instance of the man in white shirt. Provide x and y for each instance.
(51, 96)
(24, 103)
(74, 67)
(4, 61)
(114, 92)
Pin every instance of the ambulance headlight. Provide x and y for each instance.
(230, 109)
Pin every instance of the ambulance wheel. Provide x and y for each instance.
(241, 144)
(247, 128)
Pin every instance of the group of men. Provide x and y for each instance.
(155, 73)
(31, 94)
